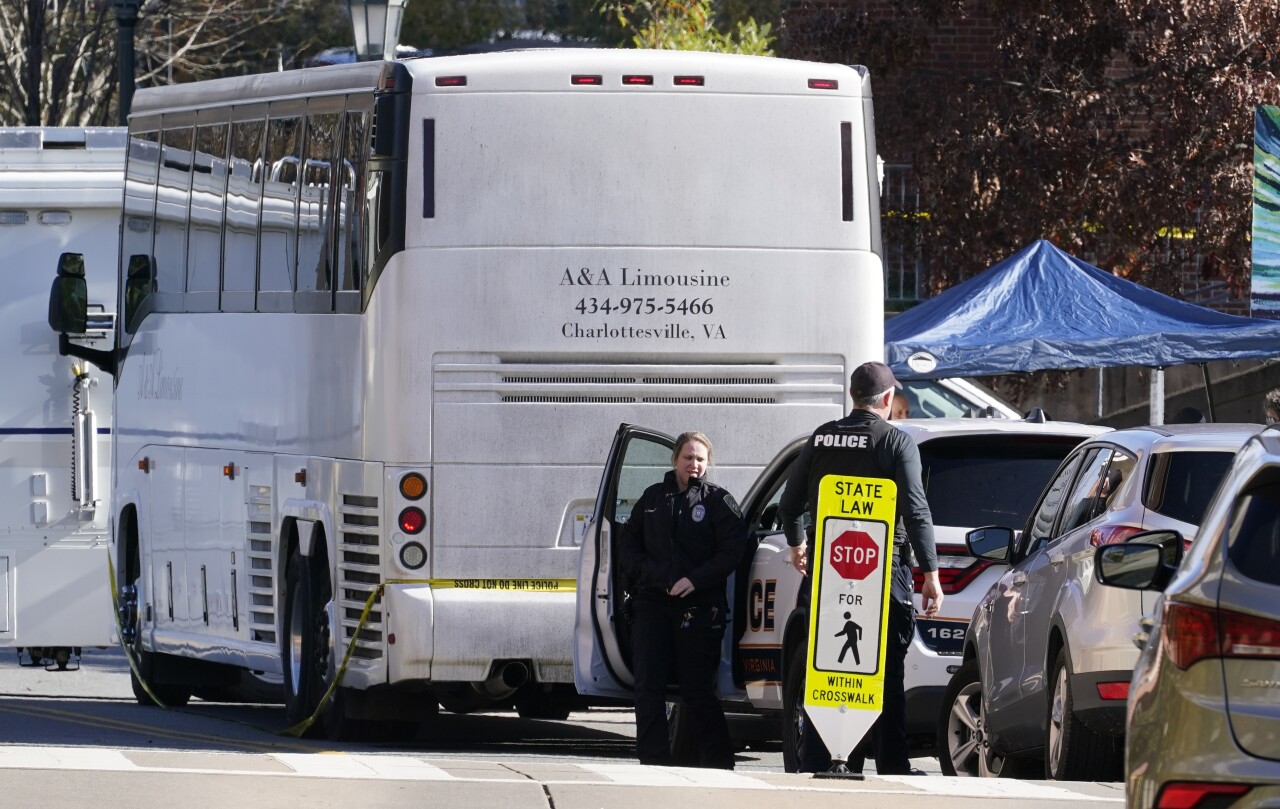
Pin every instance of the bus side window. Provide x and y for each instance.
(139, 202)
(240, 239)
(173, 203)
(349, 232)
(204, 240)
(315, 211)
(278, 226)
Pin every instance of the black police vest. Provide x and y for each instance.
(851, 449)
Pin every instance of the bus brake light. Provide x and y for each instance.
(578, 79)
(412, 520)
(689, 81)
(824, 84)
(632, 79)
(451, 81)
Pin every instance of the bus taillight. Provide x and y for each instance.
(412, 520)
(413, 555)
(413, 486)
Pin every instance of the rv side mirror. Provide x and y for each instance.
(69, 296)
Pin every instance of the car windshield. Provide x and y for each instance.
(928, 399)
(1181, 483)
(978, 480)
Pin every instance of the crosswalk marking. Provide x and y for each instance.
(394, 768)
(391, 767)
(639, 775)
(993, 788)
(63, 758)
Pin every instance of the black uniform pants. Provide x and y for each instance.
(669, 632)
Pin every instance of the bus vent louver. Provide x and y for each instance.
(262, 567)
(359, 574)
(481, 379)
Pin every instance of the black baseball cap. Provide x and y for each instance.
(871, 378)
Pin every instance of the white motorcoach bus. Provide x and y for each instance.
(380, 322)
(58, 187)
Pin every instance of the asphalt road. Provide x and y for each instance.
(73, 737)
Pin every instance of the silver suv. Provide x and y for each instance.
(1204, 717)
(1049, 654)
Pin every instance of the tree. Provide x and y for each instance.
(1119, 129)
(60, 58)
(687, 25)
(58, 63)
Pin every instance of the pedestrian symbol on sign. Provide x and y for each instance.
(852, 634)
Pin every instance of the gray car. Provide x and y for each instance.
(1047, 661)
(1204, 706)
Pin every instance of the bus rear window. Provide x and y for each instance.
(1181, 484)
(972, 481)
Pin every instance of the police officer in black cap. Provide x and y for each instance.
(685, 536)
(886, 453)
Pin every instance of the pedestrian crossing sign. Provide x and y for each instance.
(849, 608)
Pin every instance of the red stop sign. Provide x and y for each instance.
(854, 554)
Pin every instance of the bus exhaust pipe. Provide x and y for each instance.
(505, 679)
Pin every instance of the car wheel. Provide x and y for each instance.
(793, 716)
(1073, 752)
(964, 747)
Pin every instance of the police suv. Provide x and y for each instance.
(976, 472)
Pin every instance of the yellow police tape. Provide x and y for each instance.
(500, 585)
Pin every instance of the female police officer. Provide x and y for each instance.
(685, 536)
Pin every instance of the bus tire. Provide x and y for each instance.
(305, 641)
(341, 726)
(169, 696)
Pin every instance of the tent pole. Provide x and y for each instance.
(1157, 396)
(1098, 409)
(1208, 391)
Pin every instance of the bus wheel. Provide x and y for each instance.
(341, 726)
(166, 695)
(305, 642)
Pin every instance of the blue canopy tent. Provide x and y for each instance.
(1042, 309)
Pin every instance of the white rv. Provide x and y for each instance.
(59, 187)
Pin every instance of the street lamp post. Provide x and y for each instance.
(126, 19)
(376, 24)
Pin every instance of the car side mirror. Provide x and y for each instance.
(69, 296)
(1137, 565)
(993, 543)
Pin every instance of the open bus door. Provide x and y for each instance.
(638, 459)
